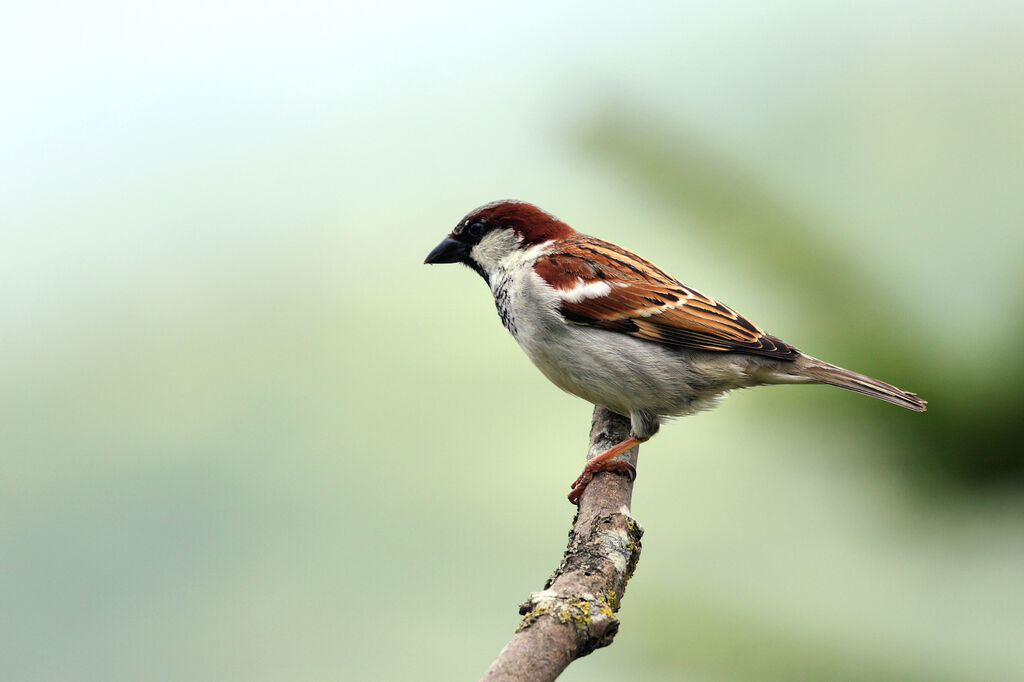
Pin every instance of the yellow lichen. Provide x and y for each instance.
(530, 617)
(606, 603)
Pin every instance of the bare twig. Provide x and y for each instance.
(575, 613)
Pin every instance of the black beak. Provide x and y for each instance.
(448, 251)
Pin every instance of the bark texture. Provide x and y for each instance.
(575, 612)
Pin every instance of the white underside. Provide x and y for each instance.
(625, 374)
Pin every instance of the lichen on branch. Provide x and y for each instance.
(575, 612)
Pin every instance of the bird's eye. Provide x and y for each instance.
(476, 229)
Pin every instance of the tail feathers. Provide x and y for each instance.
(824, 373)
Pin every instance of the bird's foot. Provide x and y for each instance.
(604, 462)
(617, 465)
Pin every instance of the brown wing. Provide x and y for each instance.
(645, 302)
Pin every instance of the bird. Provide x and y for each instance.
(610, 327)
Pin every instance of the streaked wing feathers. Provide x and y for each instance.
(639, 299)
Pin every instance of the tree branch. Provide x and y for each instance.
(575, 613)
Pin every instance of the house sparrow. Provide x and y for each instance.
(608, 326)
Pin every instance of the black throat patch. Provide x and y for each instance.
(503, 303)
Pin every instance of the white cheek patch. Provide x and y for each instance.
(493, 248)
(582, 292)
(526, 256)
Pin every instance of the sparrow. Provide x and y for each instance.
(612, 328)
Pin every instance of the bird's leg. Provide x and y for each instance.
(604, 462)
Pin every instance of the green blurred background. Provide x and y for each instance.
(246, 435)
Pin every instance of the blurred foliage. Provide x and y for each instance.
(247, 435)
(971, 434)
(726, 645)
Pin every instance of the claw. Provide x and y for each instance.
(604, 462)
